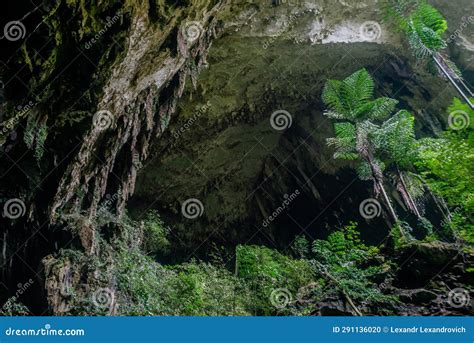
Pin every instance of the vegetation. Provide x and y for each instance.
(351, 265)
(265, 270)
(191, 289)
(13, 307)
(368, 133)
(423, 25)
(447, 165)
(381, 143)
(116, 265)
(197, 288)
(155, 234)
(268, 282)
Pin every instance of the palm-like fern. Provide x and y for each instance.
(424, 27)
(422, 23)
(395, 139)
(353, 98)
(366, 132)
(351, 102)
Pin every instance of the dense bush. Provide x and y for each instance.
(191, 289)
(266, 271)
(447, 165)
(155, 234)
(352, 264)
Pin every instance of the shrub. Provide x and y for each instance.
(191, 289)
(346, 259)
(155, 234)
(266, 270)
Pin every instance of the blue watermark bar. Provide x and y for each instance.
(237, 329)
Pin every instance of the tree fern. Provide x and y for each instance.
(362, 131)
(380, 108)
(396, 139)
(332, 96)
(358, 88)
(423, 24)
(344, 142)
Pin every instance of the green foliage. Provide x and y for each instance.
(191, 289)
(367, 133)
(396, 139)
(344, 257)
(344, 246)
(429, 228)
(363, 128)
(423, 25)
(396, 235)
(35, 138)
(300, 247)
(209, 290)
(447, 165)
(352, 99)
(265, 270)
(141, 286)
(155, 234)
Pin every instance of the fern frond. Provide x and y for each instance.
(332, 96)
(344, 142)
(334, 115)
(358, 88)
(380, 108)
(431, 18)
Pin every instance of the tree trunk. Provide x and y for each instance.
(412, 203)
(443, 208)
(387, 201)
(378, 178)
(439, 60)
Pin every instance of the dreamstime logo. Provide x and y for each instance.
(22, 112)
(192, 30)
(104, 208)
(458, 297)
(191, 121)
(370, 31)
(108, 24)
(464, 23)
(103, 297)
(14, 209)
(192, 208)
(288, 199)
(458, 120)
(370, 208)
(22, 288)
(280, 297)
(14, 30)
(103, 119)
(281, 120)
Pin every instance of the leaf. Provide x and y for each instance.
(358, 88)
(344, 142)
(381, 108)
(332, 96)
